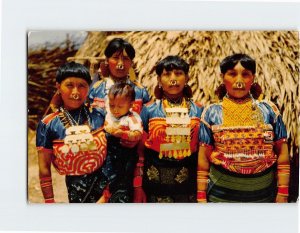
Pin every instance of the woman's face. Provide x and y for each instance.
(172, 82)
(73, 92)
(119, 64)
(238, 81)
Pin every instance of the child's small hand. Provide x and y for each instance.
(118, 133)
(109, 129)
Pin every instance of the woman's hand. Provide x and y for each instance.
(139, 195)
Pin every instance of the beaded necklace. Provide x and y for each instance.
(78, 137)
(245, 113)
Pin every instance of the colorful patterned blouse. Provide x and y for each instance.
(242, 135)
(50, 136)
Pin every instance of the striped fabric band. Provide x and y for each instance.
(225, 186)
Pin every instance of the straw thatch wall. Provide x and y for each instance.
(276, 54)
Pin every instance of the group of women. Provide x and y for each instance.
(231, 151)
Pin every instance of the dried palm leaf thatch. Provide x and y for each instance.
(276, 54)
(42, 67)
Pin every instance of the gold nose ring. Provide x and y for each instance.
(120, 66)
(239, 85)
(173, 82)
(75, 97)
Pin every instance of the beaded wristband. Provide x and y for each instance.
(283, 191)
(201, 196)
(202, 176)
(283, 169)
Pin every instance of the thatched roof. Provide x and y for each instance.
(276, 54)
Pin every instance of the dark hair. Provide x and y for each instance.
(118, 44)
(122, 89)
(73, 69)
(170, 63)
(231, 61)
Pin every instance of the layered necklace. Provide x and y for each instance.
(78, 137)
(178, 129)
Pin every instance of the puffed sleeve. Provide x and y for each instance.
(205, 135)
(274, 118)
(91, 94)
(145, 118)
(98, 115)
(43, 137)
(145, 96)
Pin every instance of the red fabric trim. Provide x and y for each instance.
(125, 135)
(47, 119)
(49, 200)
(280, 141)
(200, 105)
(41, 148)
(98, 102)
(206, 145)
(201, 195)
(44, 179)
(283, 190)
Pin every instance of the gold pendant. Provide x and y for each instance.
(83, 146)
(65, 149)
(92, 145)
(74, 148)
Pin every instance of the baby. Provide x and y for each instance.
(121, 123)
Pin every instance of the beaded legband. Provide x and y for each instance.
(47, 189)
(137, 181)
(138, 174)
(283, 190)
